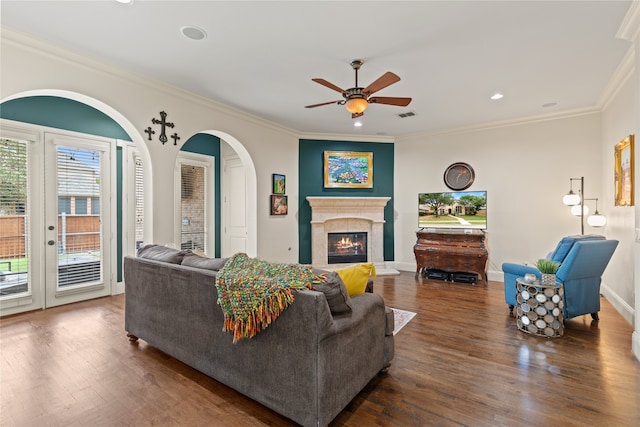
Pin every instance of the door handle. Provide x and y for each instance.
(51, 227)
(51, 243)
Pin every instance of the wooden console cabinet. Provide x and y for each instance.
(452, 251)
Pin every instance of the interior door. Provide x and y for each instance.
(234, 207)
(78, 219)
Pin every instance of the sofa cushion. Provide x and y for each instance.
(334, 291)
(355, 278)
(161, 253)
(193, 260)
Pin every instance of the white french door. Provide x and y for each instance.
(56, 227)
(77, 219)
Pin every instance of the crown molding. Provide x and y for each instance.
(347, 137)
(518, 121)
(630, 27)
(621, 76)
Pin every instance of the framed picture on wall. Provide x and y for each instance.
(348, 169)
(279, 205)
(624, 172)
(279, 184)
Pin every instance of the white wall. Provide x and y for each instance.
(525, 169)
(618, 122)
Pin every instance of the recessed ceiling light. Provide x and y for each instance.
(357, 124)
(193, 33)
(497, 96)
(125, 1)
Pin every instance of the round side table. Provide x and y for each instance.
(539, 308)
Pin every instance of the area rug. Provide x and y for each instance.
(401, 318)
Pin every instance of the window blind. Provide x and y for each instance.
(139, 200)
(14, 217)
(79, 235)
(193, 191)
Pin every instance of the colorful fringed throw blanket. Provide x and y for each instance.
(253, 293)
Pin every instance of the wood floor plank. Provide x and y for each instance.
(461, 361)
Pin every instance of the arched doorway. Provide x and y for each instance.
(238, 195)
(69, 243)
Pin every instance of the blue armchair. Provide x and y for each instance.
(582, 260)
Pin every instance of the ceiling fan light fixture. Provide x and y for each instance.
(356, 105)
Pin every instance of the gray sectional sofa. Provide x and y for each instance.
(307, 365)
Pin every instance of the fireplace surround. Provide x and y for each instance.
(347, 215)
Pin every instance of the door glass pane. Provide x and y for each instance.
(193, 207)
(79, 233)
(14, 265)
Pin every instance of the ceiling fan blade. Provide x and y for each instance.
(324, 103)
(390, 100)
(383, 81)
(325, 83)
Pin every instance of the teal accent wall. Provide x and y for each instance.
(311, 178)
(62, 113)
(67, 114)
(202, 143)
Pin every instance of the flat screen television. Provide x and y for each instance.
(457, 209)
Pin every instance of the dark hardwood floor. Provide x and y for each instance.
(460, 362)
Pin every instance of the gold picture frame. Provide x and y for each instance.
(348, 169)
(624, 172)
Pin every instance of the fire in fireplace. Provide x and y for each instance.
(346, 247)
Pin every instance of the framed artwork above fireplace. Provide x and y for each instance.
(348, 169)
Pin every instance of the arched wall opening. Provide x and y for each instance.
(118, 118)
(251, 187)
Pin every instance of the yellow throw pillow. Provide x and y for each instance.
(355, 278)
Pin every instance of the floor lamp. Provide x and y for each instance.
(578, 207)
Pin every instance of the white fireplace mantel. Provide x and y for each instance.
(347, 214)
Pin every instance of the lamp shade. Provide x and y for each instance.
(571, 199)
(356, 105)
(575, 210)
(597, 220)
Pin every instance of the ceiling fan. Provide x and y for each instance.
(357, 99)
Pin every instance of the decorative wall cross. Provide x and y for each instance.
(175, 138)
(163, 125)
(149, 132)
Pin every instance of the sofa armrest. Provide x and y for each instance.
(519, 270)
(354, 347)
(511, 273)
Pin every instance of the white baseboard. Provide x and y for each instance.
(119, 289)
(635, 344)
(495, 276)
(618, 303)
(403, 266)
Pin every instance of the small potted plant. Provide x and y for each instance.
(548, 270)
